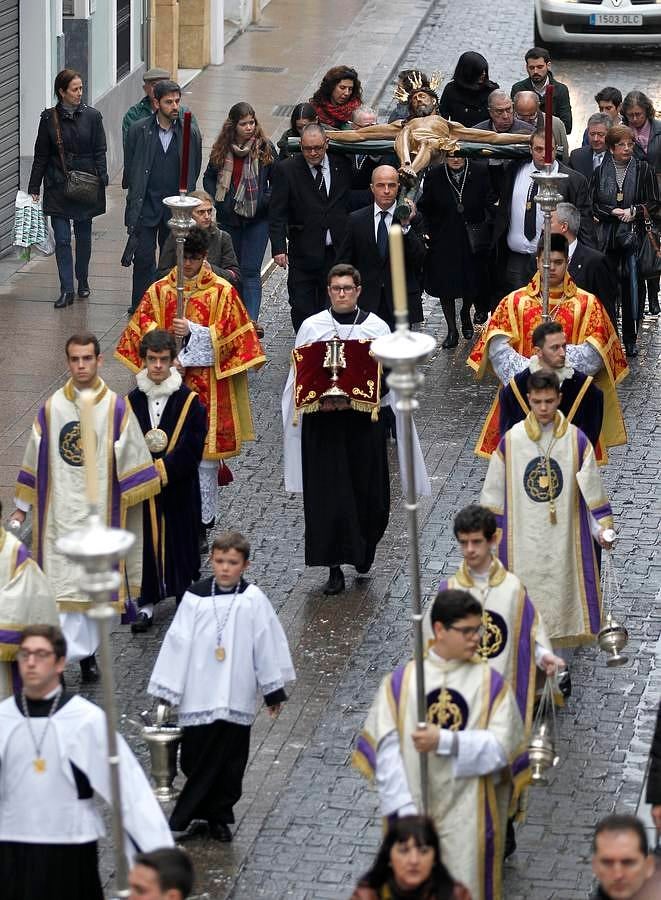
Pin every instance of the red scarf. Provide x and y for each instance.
(330, 114)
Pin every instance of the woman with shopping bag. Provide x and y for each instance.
(70, 159)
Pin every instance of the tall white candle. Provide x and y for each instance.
(397, 271)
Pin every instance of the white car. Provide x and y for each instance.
(626, 22)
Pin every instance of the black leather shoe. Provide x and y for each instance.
(335, 583)
(83, 290)
(468, 332)
(219, 831)
(65, 299)
(654, 306)
(89, 671)
(630, 349)
(451, 340)
(510, 840)
(142, 623)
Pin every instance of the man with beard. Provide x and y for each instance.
(538, 66)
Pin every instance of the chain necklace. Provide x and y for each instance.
(459, 191)
(620, 179)
(39, 763)
(220, 653)
(334, 324)
(545, 480)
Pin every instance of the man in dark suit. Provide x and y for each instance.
(519, 221)
(310, 207)
(366, 242)
(589, 268)
(586, 159)
(538, 66)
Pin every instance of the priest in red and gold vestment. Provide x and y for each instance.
(593, 347)
(219, 345)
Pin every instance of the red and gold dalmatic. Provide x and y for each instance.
(223, 387)
(584, 320)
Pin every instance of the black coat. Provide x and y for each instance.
(225, 215)
(359, 248)
(561, 101)
(646, 191)
(574, 190)
(654, 777)
(581, 161)
(451, 269)
(592, 272)
(298, 211)
(179, 500)
(84, 150)
(139, 151)
(466, 106)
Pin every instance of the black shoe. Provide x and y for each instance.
(89, 671)
(205, 528)
(564, 683)
(630, 348)
(83, 290)
(142, 623)
(451, 340)
(468, 332)
(193, 830)
(510, 839)
(219, 831)
(65, 299)
(654, 306)
(480, 316)
(335, 583)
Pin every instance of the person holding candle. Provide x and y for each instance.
(540, 78)
(155, 151)
(506, 345)
(239, 177)
(60, 482)
(219, 344)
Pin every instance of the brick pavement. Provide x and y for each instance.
(307, 824)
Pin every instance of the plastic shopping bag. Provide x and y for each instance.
(30, 226)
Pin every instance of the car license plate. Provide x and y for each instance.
(616, 20)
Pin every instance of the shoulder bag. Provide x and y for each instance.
(648, 257)
(79, 187)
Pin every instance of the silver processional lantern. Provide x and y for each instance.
(402, 352)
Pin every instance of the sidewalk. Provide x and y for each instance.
(273, 65)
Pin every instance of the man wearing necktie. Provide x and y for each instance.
(366, 241)
(308, 216)
(586, 159)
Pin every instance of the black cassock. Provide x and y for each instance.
(588, 415)
(346, 484)
(171, 556)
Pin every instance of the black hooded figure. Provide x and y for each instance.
(464, 99)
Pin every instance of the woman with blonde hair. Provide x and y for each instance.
(238, 177)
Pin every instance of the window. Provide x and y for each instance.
(123, 38)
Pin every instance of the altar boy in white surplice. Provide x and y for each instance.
(474, 740)
(224, 649)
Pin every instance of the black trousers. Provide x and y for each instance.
(53, 871)
(519, 269)
(213, 759)
(307, 289)
(144, 261)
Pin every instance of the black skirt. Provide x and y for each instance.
(53, 871)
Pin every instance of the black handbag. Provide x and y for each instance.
(479, 236)
(648, 257)
(79, 187)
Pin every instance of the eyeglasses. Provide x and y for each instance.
(342, 288)
(468, 630)
(625, 145)
(39, 655)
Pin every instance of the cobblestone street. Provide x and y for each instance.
(308, 824)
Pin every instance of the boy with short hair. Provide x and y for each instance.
(224, 645)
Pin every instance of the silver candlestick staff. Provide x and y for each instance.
(180, 224)
(99, 549)
(548, 198)
(402, 352)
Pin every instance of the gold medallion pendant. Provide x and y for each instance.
(543, 481)
(39, 764)
(220, 653)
